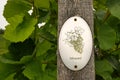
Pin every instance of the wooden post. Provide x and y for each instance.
(67, 9)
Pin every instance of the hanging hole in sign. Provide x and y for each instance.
(75, 66)
(75, 19)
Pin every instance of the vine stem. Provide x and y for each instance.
(36, 39)
(106, 16)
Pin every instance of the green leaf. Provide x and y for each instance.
(53, 31)
(100, 14)
(104, 69)
(16, 33)
(24, 59)
(103, 66)
(114, 62)
(20, 49)
(3, 59)
(50, 56)
(106, 37)
(16, 7)
(116, 78)
(51, 72)
(99, 4)
(44, 67)
(43, 47)
(118, 33)
(113, 21)
(34, 71)
(10, 77)
(117, 52)
(6, 70)
(3, 45)
(49, 75)
(15, 20)
(47, 36)
(42, 4)
(106, 76)
(54, 6)
(20, 76)
(14, 12)
(44, 17)
(114, 7)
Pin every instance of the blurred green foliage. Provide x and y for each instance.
(107, 39)
(27, 50)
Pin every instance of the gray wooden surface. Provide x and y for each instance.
(67, 9)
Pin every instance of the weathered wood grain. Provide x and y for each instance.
(67, 9)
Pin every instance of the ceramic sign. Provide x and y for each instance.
(75, 43)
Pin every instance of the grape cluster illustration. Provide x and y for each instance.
(74, 39)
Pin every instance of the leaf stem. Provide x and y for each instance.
(106, 16)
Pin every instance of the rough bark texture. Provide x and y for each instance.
(67, 9)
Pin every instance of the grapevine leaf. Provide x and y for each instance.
(10, 77)
(51, 71)
(43, 47)
(106, 76)
(103, 66)
(16, 20)
(112, 19)
(49, 75)
(100, 14)
(34, 71)
(54, 5)
(6, 70)
(118, 33)
(44, 17)
(114, 62)
(106, 37)
(104, 69)
(16, 33)
(114, 7)
(42, 4)
(3, 45)
(114, 22)
(16, 7)
(50, 56)
(20, 49)
(116, 78)
(20, 76)
(44, 67)
(98, 4)
(24, 59)
(53, 31)
(47, 36)
(3, 59)
(117, 52)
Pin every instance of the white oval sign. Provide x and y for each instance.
(75, 43)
